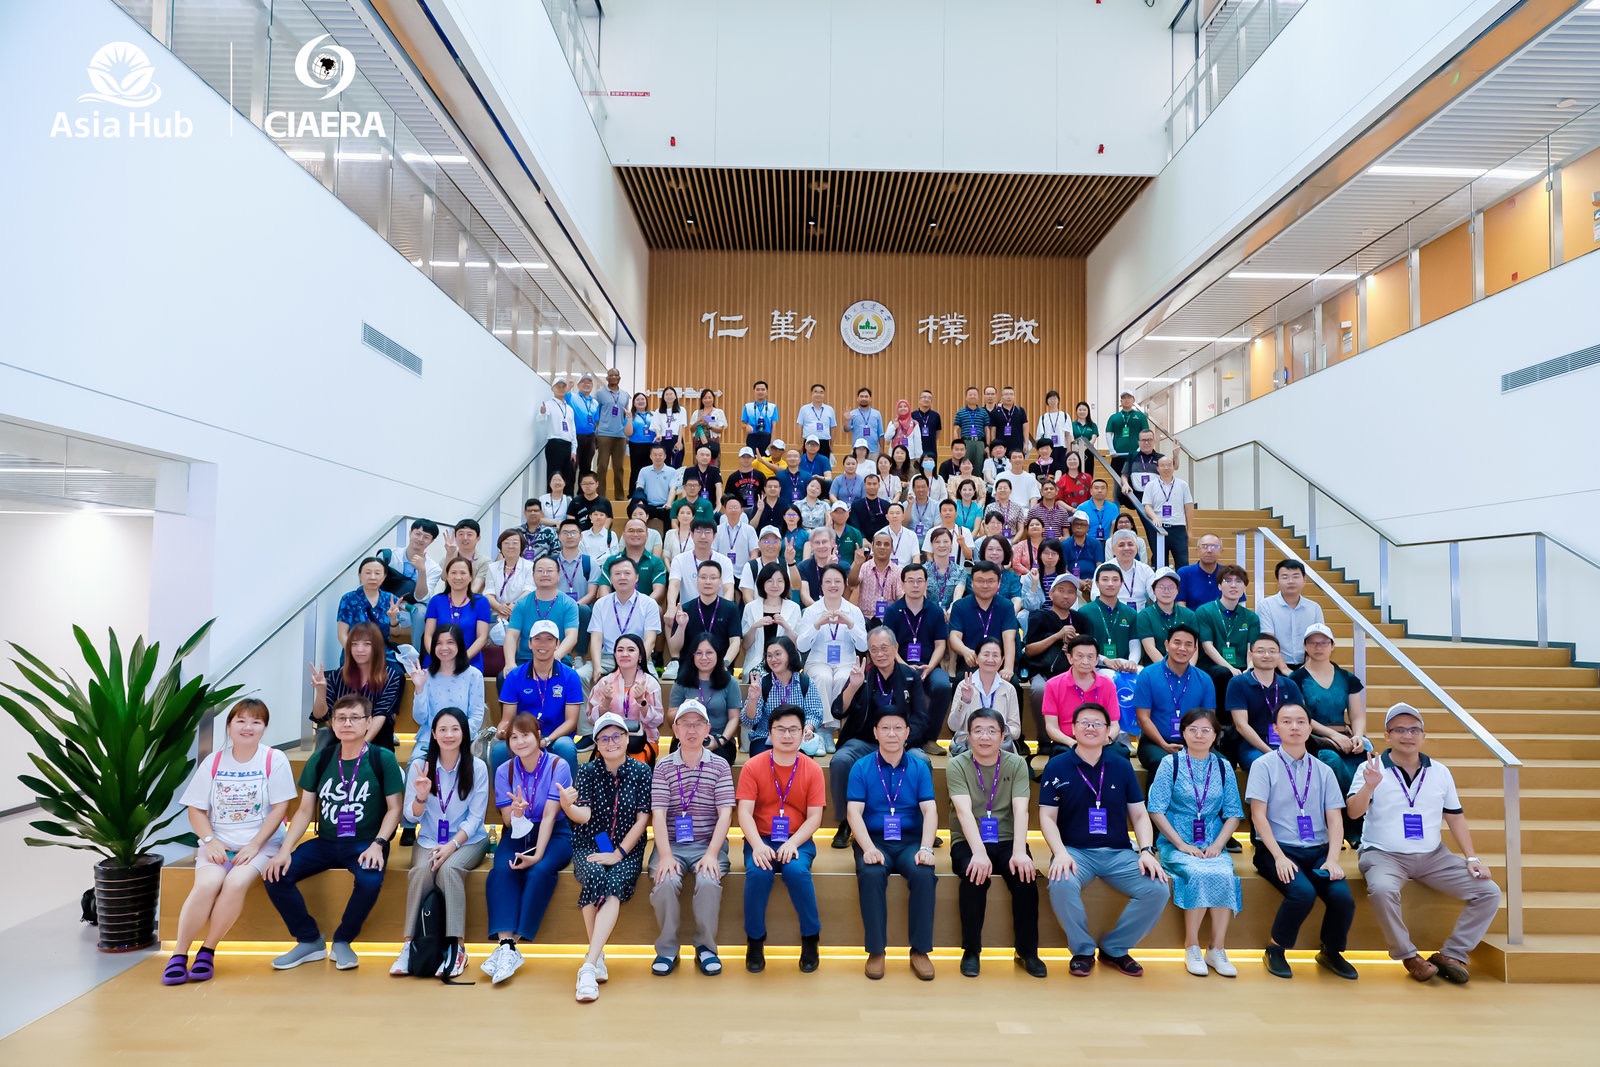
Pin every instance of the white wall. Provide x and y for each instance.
(204, 298)
(72, 569)
(1336, 66)
(512, 52)
(1416, 437)
(1001, 85)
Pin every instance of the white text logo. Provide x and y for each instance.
(122, 74)
(333, 68)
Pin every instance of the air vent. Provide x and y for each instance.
(379, 342)
(1551, 368)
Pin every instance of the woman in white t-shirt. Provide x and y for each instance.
(556, 501)
(706, 424)
(237, 800)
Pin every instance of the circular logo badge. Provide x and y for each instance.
(867, 327)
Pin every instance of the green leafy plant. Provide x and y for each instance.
(111, 758)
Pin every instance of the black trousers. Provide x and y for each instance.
(558, 457)
(585, 456)
(638, 460)
(972, 900)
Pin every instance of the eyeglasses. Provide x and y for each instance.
(1406, 731)
(348, 720)
(1200, 731)
(786, 731)
(611, 739)
(1091, 724)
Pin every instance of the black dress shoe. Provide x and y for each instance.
(841, 837)
(1034, 966)
(1333, 961)
(969, 965)
(755, 955)
(1277, 966)
(1233, 846)
(808, 953)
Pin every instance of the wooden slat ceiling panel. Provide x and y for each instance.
(769, 210)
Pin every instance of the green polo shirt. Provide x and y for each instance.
(1125, 428)
(848, 541)
(961, 778)
(1153, 624)
(652, 571)
(1233, 635)
(1111, 628)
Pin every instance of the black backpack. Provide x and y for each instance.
(428, 941)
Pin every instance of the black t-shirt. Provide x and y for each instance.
(710, 479)
(932, 425)
(902, 692)
(1046, 623)
(582, 507)
(924, 630)
(1010, 427)
(748, 487)
(869, 516)
(720, 621)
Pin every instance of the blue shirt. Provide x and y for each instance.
(640, 433)
(1063, 787)
(657, 485)
(584, 411)
(867, 425)
(873, 782)
(1168, 696)
(1196, 587)
(848, 488)
(611, 417)
(1101, 519)
(354, 607)
(761, 418)
(545, 697)
(563, 611)
(924, 630)
(1082, 561)
(976, 625)
(474, 611)
(973, 423)
(811, 467)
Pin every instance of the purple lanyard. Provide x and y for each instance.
(570, 578)
(507, 580)
(894, 797)
(348, 787)
(986, 700)
(529, 779)
(992, 788)
(987, 618)
(700, 612)
(1273, 701)
(1183, 684)
(622, 624)
(542, 691)
(883, 687)
(1166, 494)
(1098, 786)
(880, 581)
(782, 689)
(688, 798)
(782, 791)
(915, 622)
(540, 611)
(1411, 798)
(1203, 789)
(444, 794)
(1288, 768)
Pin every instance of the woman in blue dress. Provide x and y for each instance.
(1194, 803)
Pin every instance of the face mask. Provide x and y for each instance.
(927, 464)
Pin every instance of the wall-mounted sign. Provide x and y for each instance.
(867, 327)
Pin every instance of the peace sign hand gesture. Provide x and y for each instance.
(519, 804)
(318, 679)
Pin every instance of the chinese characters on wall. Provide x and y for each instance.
(946, 328)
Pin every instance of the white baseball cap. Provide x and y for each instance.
(812, 438)
(546, 627)
(1399, 709)
(692, 707)
(770, 531)
(1165, 572)
(861, 442)
(747, 451)
(840, 505)
(1319, 628)
(611, 718)
(778, 444)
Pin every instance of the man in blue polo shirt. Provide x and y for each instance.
(1086, 804)
(1102, 513)
(611, 431)
(546, 601)
(585, 417)
(1253, 699)
(982, 614)
(1197, 583)
(546, 688)
(1167, 689)
(922, 633)
(760, 415)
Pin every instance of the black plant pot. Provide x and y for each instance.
(125, 899)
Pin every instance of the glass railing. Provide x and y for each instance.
(1497, 227)
(1515, 588)
(1231, 50)
(255, 54)
(581, 57)
(276, 670)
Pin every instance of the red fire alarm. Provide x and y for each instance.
(1102, 151)
(1514, 275)
(673, 141)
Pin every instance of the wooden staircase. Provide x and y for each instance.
(1541, 706)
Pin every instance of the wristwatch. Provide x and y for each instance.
(206, 840)
(1150, 849)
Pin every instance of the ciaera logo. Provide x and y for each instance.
(333, 68)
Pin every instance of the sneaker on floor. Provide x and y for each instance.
(1277, 964)
(1194, 961)
(588, 986)
(459, 964)
(344, 957)
(1335, 962)
(510, 962)
(601, 975)
(402, 963)
(304, 952)
(1217, 960)
(1124, 964)
(1080, 966)
(585, 744)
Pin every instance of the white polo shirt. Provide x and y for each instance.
(559, 420)
(686, 569)
(1433, 793)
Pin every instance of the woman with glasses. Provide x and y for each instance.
(1194, 803)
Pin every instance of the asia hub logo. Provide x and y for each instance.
(333, 68)
(121, 75)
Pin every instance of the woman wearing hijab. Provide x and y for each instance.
(904, 431)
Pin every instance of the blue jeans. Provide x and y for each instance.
(796, 875)
(518, 899)
(1338, 906)
(872, 887)
(564, 748)
(1118, 868)
(312, 857)
(1248, 754)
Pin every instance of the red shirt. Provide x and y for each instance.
(756, 783)
(1074, 491)
(1062, 697)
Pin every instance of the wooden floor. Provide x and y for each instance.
(316, 1015)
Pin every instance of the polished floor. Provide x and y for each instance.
(316, 1015)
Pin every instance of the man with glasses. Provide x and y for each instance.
(1405, 797)
(1227, 629)
(1086, 805)
(1164, 691)
(1197, 583)
(341, 788)
(1252, 701)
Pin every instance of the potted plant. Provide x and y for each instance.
(110, 761)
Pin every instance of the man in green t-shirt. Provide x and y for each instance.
(989, 839)
(1161, 615)
(1227, 629)
(652, 570)
(1124, 427)
(353, 790)
(846, 537)
(1111, 621)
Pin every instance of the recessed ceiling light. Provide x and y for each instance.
(1061, 225)
(1566, 102)
(688, 220)
(1290, 276)
(933, 224)
(1184, 338)
(1401, 171)
(811, 221)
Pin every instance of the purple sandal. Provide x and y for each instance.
(177, 971)
(202, 969)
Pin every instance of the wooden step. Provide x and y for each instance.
(1536, 803)
(1577, 836)
(1536, 774)
(1553, 958)
(1484, 676)
(1552, 745)
(1554, 698)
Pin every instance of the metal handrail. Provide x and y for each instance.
(1510, 764)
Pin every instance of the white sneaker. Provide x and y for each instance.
(1218, 959)
(402, 963)
(459, 964)
(1195, 961)
(588, 987)
(509, 960)
(601, 975)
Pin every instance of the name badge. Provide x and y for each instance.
(347, 823)
(1231, 654)
(1166, 511)
(1272, 735)
(883, 607)
(835, 654)
(1109, 650)
(921, 529)
(1413, 825)
(683, 830)
(444, 832)
(615, 411)
(1056, 439)
(733, 558)
(1307, 831)
(1198, 834)
(780, 828)
(1097, 820)
(914, 652)
(1177, 724)
(891, 827)
(989, 831)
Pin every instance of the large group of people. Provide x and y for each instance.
(830, 614)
